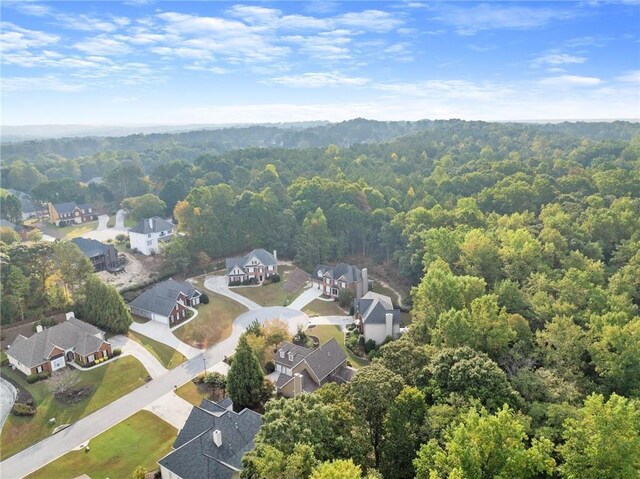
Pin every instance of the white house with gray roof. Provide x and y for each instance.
(166, 302)
(376, 318)
(149, 233)
(212, 442)
(303, 370)
(51, 349)
(259, 265)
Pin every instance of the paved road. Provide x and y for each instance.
(218, 284)
(7, 398)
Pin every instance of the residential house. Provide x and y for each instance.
(65, 214)
(102, 256)
(303, 370)
(376, 318)
(17, 228)
(51, 349)
(212, 442)
(342, 276)
(167, 302)
(147, 235)
(29, 208)
(258, 265)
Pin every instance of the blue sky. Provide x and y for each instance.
(160, 62)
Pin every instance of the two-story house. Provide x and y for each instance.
(65, 214)
(147, 235)
(303, 370)
(342, 276)
(258, 265)
(167, 302)
(376, 318)
(102, 256)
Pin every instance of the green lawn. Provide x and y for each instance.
(139, 440)
(193, 393)
(318, 307)
(70, 232)
(109, 383)
(129, 222)
(326, 332)
(274, 294)
(168, 357)
(214, 321)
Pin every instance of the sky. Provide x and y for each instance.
(170, 63)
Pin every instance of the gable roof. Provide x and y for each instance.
(91, 247)
(373, 307)
(196, 456)
(350, 273)
(69, 207)
(162, 298)
(71, 334)
(325, 359)
(241, 262)
(151, 225)
(299, 353)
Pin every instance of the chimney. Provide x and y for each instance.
(275, 255)
(217, 438)
(365, 281)
(297, 384)
(39, 328)
(70, 315)
(388, 319)
(150, 220)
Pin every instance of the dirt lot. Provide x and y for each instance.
(138, 269)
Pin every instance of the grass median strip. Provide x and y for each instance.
(168, 357)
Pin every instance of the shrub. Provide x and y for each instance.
(270, 367)
(32, 378)
(369, 346)
(116, 352)
(275, 278)
(234, 283)
(20, 409)
(345, 297)
(42, 376)
(204, 299)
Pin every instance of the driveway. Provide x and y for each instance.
(292, 317)
(305, 298)
(218, 284)
(135, 349)
(341, 321)
(172, 408)
(102, 222)
(7, 398)
(120, 216)
(161, 332)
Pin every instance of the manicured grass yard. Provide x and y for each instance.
(318, 307)
(277, 294)
(129, 222)
(326, 332)
(168, 357)
(73, 231)
(139, 440)
(109, 382)
(213, 323)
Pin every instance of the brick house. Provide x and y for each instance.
(342, 276)
(167, 302)
(258, 265)
(102, 256)
(65, 214)
(51, 349)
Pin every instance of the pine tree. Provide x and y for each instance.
(244, 381)
(104, 307)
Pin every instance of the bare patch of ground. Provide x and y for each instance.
(295, 279)
(138, 269)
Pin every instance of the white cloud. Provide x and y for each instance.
(320, 79)
(632, 76)
(556, 59)
(48, 82)
(102, 45)
(445, 89)
(14, 38)
(570, 81)
(29, 8)
(369, 20)
(471, 20)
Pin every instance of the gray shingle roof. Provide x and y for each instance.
(351, 273)
(156, 225)
(8, 224)
(262, 255)
(196, 456)
(299, 353)
(90, 247)
(65, 207)
(28, 206)
(373, 307)
(162, 298)
(72, 333)
(326, 358)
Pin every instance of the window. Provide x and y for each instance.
(169, 232)
(91, 358)
(149, 243)
(290, 357)
(149, 235)
(281, 353)
(39, 369)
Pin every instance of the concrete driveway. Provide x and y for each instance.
(341, 321)
(148, 360)
(172, 408)
(7, 398)
(292, 317)
(161, 332)
(120, 216)
(305, 298)
(218, 284)
(102, 222)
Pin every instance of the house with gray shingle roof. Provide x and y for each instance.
(149, 233)
(376, 318)
(342, 276)
(102, 256)
(211, 443)
(258, 265)
(65, 214)
(305, 370)
(51, 349)
(29, 208)
(166, 302)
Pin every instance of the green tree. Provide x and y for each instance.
(603, 442)
(337, 469)
(8, 235)
(315, 242)
(145, 206)
(373, 390)
(345, 297)
(103, 307)
(16, 284)
(10, 207)
(485, 446)
(268, 462)
(245, 377)
(73, 265)
(404, 432)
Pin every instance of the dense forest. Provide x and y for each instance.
(522, 243)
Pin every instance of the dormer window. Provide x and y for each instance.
(281, 353)
(290, 357)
